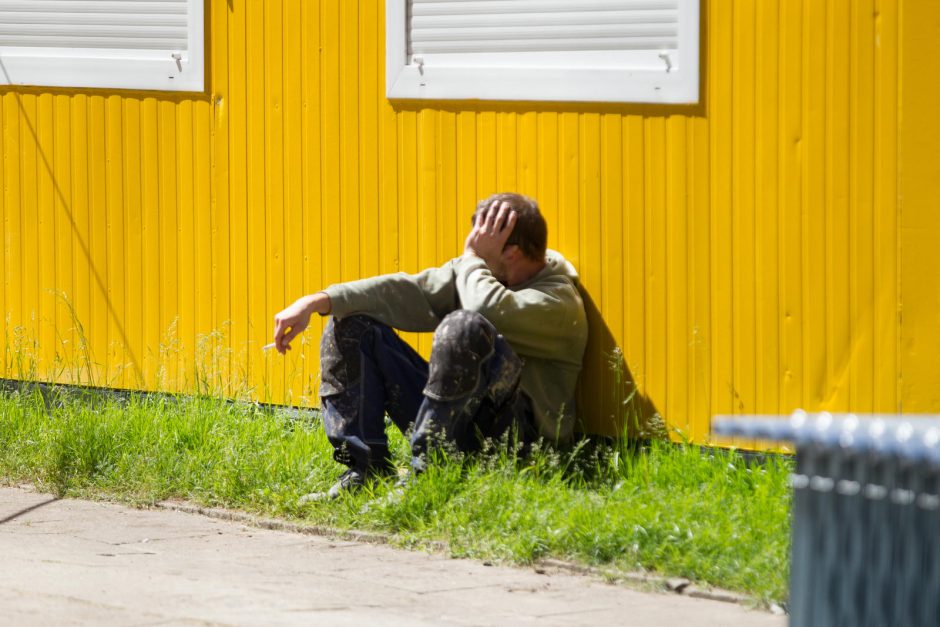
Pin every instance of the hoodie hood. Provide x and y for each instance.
(556, 266)
(560, 265)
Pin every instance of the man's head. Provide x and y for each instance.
(530, 233)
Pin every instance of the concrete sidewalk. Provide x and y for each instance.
(79, 562)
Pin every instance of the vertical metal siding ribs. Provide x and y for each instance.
(742, 254)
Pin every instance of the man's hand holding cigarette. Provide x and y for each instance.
(294, 319)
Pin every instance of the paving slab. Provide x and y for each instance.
(74, 562)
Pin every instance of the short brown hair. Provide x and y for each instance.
(530, 233)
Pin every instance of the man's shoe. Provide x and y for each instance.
(348, 482)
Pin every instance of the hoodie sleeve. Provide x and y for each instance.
(532, 319)
(410, 302)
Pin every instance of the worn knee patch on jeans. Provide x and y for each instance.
(340, 356)
(462, 342)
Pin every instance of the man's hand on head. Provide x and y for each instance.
(489, 234)
(294, 320)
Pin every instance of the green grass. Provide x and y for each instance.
(665, 508)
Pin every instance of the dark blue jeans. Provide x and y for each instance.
(468, 392)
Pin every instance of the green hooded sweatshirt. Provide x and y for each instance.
(543, 320)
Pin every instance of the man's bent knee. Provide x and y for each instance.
(462, 342)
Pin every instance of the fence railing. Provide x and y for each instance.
(866, 516)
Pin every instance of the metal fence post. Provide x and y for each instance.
(865, 526)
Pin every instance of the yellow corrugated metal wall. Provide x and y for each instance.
(743, 253)
(919, 216)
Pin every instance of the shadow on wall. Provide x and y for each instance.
(609, 401)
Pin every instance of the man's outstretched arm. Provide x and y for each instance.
(409, 302)
(294, 319)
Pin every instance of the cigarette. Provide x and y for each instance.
(268, 347)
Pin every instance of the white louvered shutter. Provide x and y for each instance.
(125, 44)
(580, 50)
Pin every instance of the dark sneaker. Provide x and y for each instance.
(348, 482)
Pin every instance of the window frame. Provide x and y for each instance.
(144, 70)
(672, 85)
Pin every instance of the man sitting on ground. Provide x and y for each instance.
(509, 337)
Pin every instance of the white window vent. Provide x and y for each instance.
(561, 50)
(124, 44)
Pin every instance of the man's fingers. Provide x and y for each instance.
(491, 229)
(282, 344)
(280, 329)
(501, 217)
(286, 340)
(489, 221)
(284, 332)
